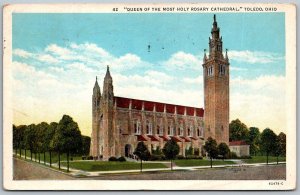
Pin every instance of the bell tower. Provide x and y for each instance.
(216, 88)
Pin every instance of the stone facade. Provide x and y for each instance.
(120, 123)
(241, 148)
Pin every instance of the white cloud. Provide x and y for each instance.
(56, 69)
(57, 50)
(47, 58)
(237, 68)
(259, 102)
(254, 57)
(80, 67)
(182, 60)
(197, 80)
(22, 53)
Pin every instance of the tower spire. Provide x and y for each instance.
(96, 90)
(107, 75)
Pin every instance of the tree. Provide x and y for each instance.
(268, 142)
(282, 143)
(211, 149)
(86, 142)
(170, 150)
(49, 139)
(223, 150)
(15, 139)
(237, 130)
(142, 152)
(42, 142)
(253, 140)
(30, 138)
(67, 138)
(18, 138)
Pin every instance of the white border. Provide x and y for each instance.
(290, 183)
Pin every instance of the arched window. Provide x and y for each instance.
(191, 131)
(137, 127)
(157, 129)
(171, 130)
(198, 132)
(222, 69)
(161, 130)
(150, 128)
(181, 130)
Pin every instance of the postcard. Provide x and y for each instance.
(185, 96)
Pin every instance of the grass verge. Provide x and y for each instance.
(194, 162)
(263, 159)
(111, 166)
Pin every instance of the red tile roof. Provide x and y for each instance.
(153, 137)
(186, 139)
(165, 137)
(122, 102)
(237, 143)
(177, 139)
(141, 138)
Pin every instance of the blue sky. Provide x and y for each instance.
(71, 49)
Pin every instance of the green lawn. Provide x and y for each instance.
(54, 156)
(111, 166)
(263, 159)
(195, 162)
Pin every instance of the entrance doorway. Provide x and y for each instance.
(127, 150)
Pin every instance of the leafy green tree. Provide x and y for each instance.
(170, 150)
(142, 152)
(282, 143)
(268, 142)
(67, 138)
(189, 151)
(223, 150)
(253, 140)
(30, 139)
(15, 139)
(211, 149)
(157, 151)
(86, 142)
(49, 139)
(237, 130)
(42, 144)
(19, 138)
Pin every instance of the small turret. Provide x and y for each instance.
(96, 89)
(204, 57)
(226, 56)
(107, 75)
(108, 91)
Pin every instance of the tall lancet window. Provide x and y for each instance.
(222, 69)
(137, 127)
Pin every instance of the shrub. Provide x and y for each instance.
(112, 158)
(83, 157)
(189, 151)
(122, 159)
(90, 158)
(232, 155)
(193, 157)
(155, 157)
(245, 157)
(196, 152)
(180, 157)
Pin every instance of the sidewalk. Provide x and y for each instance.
(78, 173)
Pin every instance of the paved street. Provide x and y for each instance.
(24, 170)
(27, 170)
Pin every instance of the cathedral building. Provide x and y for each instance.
(119, 123)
